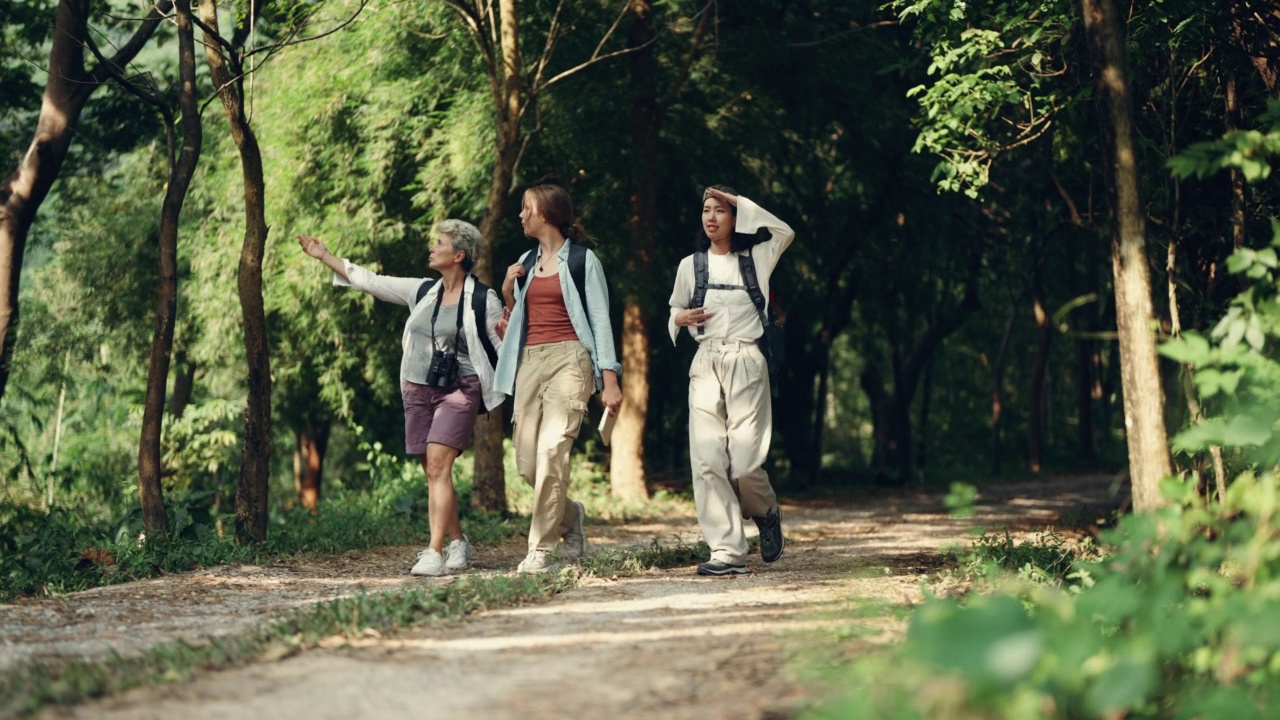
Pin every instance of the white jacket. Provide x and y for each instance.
(403, 291)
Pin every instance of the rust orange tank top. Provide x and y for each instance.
(548, 317)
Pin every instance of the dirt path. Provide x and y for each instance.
(662, 645)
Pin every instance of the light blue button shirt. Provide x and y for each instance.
(591, 324)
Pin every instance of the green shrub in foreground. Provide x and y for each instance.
(1181, 620)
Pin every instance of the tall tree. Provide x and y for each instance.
(181, 167)
(515, 89)
(648, 109)
(1139, 371)
(225, 60)
(68, 88)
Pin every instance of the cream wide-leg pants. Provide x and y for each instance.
(730, 424)
(553, 383)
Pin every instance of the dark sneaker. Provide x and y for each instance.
(715, 567)
(770, 535)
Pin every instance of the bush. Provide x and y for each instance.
(1181, 620)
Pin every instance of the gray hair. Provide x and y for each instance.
(465, 238)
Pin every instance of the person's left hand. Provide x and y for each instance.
(611, 396)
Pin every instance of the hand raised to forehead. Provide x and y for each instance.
(721, 195)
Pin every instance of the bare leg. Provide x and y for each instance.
(442, 501)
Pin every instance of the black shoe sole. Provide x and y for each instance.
(728, 570)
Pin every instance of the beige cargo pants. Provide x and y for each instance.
(553, 383)
(730, 424)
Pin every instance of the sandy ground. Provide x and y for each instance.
(665, 644)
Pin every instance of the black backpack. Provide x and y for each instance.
(479, 306)
(577, 269)
(771, 342)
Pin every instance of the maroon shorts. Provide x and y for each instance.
(432, 415)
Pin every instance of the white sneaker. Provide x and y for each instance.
(459, 555)
(574, 543)
(429, 562)
(535, 562)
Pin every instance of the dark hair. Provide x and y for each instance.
(556, 208)
(738, 242)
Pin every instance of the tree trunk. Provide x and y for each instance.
(67, 88)
(890, 410)
(926, 395)
(818, 422)
(181, 170)
(891, 428)
(251, 492)
(626, 462)
(1039, 367)
(997, 390)
(308, 464)
(1085, 383)
(1237, 177)
(184, 381)
(1140, 377)
(489, 491)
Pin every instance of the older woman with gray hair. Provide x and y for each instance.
(446, 370)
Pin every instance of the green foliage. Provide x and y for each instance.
(62, 551)
(995, 81)
(1177, 619)
(201, 449)
(1251, 151)
(961, 499)
(1178, 622)
(1047, 557)
(1235, 372)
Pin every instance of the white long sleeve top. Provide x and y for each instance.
(734, 316)
(403, 291)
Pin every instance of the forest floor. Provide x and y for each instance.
(661, 644)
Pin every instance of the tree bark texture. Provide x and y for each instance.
(1140, 376)
(66, 91)
(251, 492)
(1232, 121)
(626, 459)
(182, 168)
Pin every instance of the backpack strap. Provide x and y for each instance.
(699, 283)
(529, 259)
(747, 266)
(423, 289)
(480, 307)
(577, 269)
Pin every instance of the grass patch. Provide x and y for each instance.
(30, 687)
(1044, 558)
